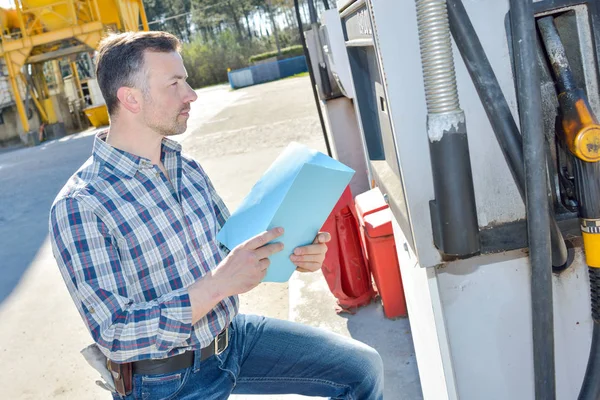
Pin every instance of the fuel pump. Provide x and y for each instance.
(579, 132)
(535, 225)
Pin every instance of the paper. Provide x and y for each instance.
(297, 192)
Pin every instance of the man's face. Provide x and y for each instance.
(167, 96)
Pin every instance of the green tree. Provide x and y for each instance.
(225, 12)
(170, 15)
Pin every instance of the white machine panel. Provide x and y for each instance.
(336, 52)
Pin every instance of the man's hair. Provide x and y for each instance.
(120, 61)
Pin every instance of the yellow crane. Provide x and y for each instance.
(37, 31)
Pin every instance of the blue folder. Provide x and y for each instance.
(297, 192)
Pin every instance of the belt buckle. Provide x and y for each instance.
(220, 349)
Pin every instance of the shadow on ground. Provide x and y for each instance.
(30, 179)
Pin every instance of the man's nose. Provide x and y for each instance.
(191, 95)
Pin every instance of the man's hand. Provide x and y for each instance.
(245, 267)
(242, 270)
(310, 258)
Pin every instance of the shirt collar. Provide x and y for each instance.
(125, 163)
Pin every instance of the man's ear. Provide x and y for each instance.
(129, 99)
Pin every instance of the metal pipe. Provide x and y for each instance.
(323, 73)
(498, 112)
(73, 13)
(312, 11)
(441, 92)
(12, 73)
(453, 212)
(538, 221)
(20, 12)
(143, 16)
(30, 88)
(97, 10)
(312, 78)
(77, 80)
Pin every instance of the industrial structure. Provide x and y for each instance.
(478, 122)
(46, 73)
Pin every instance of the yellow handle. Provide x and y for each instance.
(590, 230)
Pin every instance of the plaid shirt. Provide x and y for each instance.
(129, 241)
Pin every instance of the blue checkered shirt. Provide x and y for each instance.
(129, 241)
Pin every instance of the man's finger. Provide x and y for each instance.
(268, 250)
(310, 249)
(308, 266)
(318, 258)
(322, 237)
(264, 264)
(263, 238)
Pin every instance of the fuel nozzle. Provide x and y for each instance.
(581, 137)
(580, 125)
(582, 131)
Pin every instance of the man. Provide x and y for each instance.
(133, 232)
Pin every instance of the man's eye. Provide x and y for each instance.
(174, 84)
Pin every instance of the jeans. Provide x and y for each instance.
(270, 356)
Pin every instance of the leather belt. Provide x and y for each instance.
(181, 361)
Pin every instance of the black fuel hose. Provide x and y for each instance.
(590, 389)
(538, 217)
(587, 187)
(312, 76)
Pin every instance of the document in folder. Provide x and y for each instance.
(297, 192)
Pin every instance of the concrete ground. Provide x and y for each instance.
(235, 135)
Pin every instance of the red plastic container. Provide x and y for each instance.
(356, 279)
(375, 220)
(383, 261)
(344, 267)
(365, 204)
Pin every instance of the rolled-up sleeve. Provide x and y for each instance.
(124, 329)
